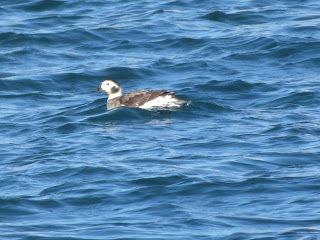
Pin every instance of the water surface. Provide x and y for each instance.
(241, 162)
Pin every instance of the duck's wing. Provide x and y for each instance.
(138, 98)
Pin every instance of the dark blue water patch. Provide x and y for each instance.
(305, 30)
(127, 73)
(285, 55)
(33, 96)
(191, 65)
(56, 38)
(175, 3)
(67, 128)
(126, 115)
(55, 21)
(9, 208)
(258, 44)
(123, 45)
(73, 81)
(121, 114)
(109, 33)
(8, 3)
(162, 181)
(305, 233)
(294, 100)
(302, 129)
(297, 50)
(10, 39)
(42, 5)
(22, 85)
(306, 17)
(291, 158)
(195, 68)
(184, 43)
(28, 56)
(79, 34)
(310, 64)
(250, 93)
(86, 109)
(234, 86)
(209, 107)
(244, 17)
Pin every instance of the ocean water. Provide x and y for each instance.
(240, 162)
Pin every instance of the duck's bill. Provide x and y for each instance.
(97, 89)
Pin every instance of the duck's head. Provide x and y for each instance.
(110, 87)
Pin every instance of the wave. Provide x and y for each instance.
(294, 99)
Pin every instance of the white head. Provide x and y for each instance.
(110, 87)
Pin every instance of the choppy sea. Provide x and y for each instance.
(241, 162)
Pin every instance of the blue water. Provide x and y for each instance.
(240, 162)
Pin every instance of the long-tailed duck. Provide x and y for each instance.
(142, 99)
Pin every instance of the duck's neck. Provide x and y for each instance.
(115, 95)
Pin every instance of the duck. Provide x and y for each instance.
(145, 99)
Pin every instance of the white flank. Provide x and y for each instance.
(162, 101)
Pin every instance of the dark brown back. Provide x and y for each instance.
(138, 98)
